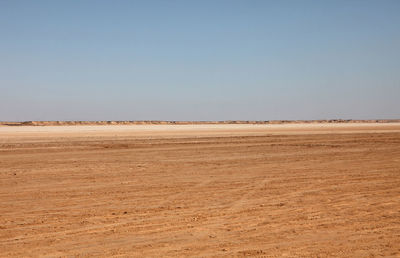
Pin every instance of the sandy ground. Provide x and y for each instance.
(192, 130)
(200, 190)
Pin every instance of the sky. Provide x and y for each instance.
(199, 60)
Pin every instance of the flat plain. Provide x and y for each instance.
(298, 190)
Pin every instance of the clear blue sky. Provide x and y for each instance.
(199, 60)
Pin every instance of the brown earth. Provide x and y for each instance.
(300, 191)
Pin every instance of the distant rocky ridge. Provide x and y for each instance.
(55, 123)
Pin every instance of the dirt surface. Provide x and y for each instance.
(200, 190)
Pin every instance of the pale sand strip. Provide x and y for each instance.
(192, 130)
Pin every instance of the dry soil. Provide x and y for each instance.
(200, 190)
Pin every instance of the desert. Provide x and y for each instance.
(202, 190)
(200, 128)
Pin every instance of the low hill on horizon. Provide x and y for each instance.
(156, 122)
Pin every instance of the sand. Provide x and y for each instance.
(210, 190)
